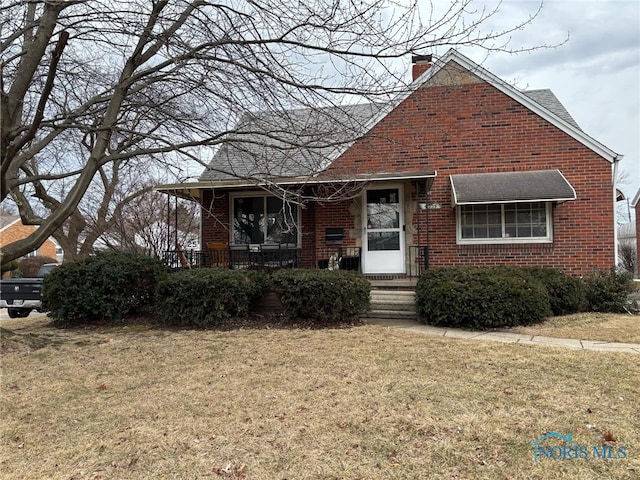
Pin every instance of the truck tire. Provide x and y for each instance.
(18, 312)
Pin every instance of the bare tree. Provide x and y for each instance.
(116, 187)
(627, 256)
(153, 223)
(134, 80)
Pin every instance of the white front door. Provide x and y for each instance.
(383, 242)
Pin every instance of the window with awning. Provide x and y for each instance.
(511, 207)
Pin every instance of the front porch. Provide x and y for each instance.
(273, 257)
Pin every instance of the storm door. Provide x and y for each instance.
(383, 242)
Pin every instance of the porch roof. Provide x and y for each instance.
(511, 187)
(193, 190)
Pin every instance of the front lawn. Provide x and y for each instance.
(354, 403)
(610, 327)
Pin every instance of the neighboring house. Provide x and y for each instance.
(12, 229)
(462, 169)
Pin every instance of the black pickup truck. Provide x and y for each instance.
(21, 295)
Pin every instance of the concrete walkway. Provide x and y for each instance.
(506, 337)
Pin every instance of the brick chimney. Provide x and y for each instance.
(421, 63)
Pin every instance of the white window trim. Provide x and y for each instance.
(510, 240)
(253, 194)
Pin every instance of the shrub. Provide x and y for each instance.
(104, 287)
(480, 298)
(30, 266)
(566, 293)
(206, 297)
(322, 295)
(607, 290)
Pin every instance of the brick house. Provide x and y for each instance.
(461, 169)
(12, 229)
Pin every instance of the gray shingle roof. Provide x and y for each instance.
(289, 144)
(548, 100)
(508, 187)
(300, 143)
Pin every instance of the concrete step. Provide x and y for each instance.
(389, 305)
(386, 300)
(393, 293)
(397, 314)
(398, 283)
(401, 296)
(392, 304)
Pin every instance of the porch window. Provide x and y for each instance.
(505, 223)
(264, 220)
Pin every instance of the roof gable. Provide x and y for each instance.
(542, 102)
(534, 100)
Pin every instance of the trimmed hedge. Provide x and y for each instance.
(322, 295)
(207, 297)
(607, 291)
(566, 293)
(481, 298)
(104, 287)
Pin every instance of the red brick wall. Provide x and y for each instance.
(18, 231)
(475, 128)
(215, 217)
(333, 215)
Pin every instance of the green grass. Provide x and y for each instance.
(365, 402)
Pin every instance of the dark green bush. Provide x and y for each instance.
(480, 298)
(607, 290)
(322, 295)
(104, 287)
(206, 297)
(30, 266)
(566, 293)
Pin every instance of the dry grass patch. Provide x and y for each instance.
(611, 327)
(365, 402)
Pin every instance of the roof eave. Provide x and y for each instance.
(192, 190)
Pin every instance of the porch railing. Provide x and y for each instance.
(261, 257)
(255, 257)
(418, 260)
(346, 258)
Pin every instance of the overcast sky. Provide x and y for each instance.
(595, 74)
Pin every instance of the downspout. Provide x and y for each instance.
(616, 160)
